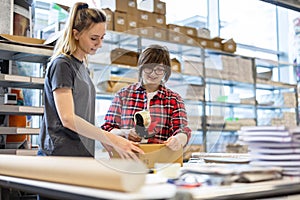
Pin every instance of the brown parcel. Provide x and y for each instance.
(124, 57)
(157, 153)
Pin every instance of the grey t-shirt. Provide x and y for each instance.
(55, 139)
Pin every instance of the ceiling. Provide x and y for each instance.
(290, 4)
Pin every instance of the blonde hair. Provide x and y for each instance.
(81, 18)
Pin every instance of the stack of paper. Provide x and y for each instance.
(273, 146)
(228, 173)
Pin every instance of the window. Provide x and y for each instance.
(187, 13)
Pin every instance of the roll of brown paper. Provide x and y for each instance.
(116, 174)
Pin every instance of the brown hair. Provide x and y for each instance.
(154, 55)
(81, 18)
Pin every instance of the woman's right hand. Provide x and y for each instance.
(125, 148)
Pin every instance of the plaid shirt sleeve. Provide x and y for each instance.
(126, 102)
(179, 118)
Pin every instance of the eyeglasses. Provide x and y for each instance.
(158, 71)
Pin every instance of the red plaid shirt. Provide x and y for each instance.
(166, 108)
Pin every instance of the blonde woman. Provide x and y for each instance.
(67, 127)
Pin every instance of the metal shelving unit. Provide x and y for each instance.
(177, 81)
(15, 51)
(272, 90)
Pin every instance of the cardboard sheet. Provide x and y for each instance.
(118, 175)
(22, 40)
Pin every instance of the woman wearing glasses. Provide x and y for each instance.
(168, 120)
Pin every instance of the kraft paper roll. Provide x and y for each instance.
(116, 174)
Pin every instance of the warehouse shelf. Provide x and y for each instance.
(21, 110)
(227, 104)
(18, 131)
(207, 102)
(263, 107)
(16, 81)
(273, 85)
(18, 52)
(230, 83)
(271, 64)
(29, 53)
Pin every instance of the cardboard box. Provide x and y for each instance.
(160, 34)
(175, 27)
(109, 18)
(191, 41)
(115, 5)
(203, 32)
(120, 21)
(114, 84)
(124, 57)
(144, 31)
(189, 31)
(145, 18)
(159, 20)
(159, 7)
(175, 65)
(189, 91)
(26, 41)
(132, 22)
(229, 46)
(192, 67)
(174, 36)
(157, 153)
(132, 7)
(216, 43)
(204, 42)
(111, 86)
(21, 20)
(155, 6)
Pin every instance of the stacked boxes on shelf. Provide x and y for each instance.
(229, 68)
(194, 114)
(189, 91)
(288, 119)
(126, 17)
(289, 99)
(175, 65)
(193, 67)
(114, 84)
(124, 57)
(117, 14)
(148, 19)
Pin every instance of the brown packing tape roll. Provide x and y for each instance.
(145, 114)
(117, 174)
